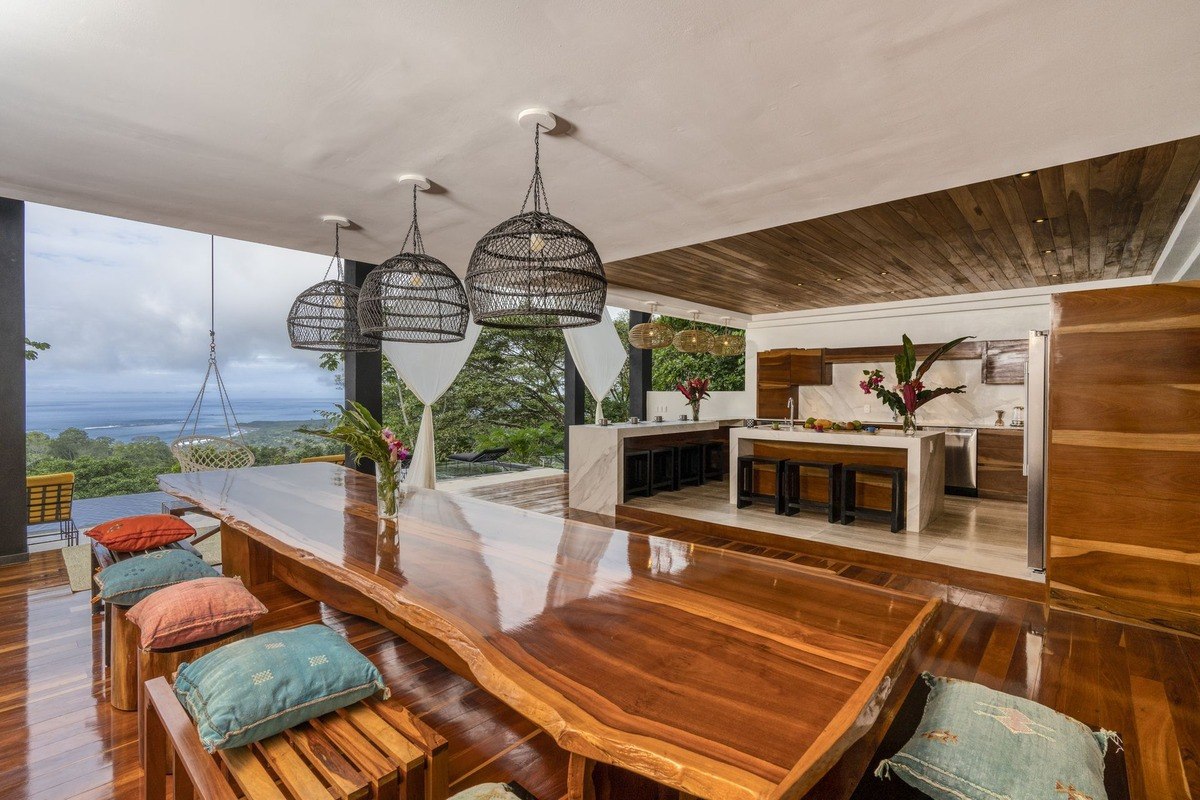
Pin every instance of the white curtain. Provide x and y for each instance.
(428, 370)
(599, 355)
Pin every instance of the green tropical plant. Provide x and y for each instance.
(909, 392)
(32, 349)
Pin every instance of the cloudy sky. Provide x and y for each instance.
(125, 307)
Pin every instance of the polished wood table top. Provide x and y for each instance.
(720, 674)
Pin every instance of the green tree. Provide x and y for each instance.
(728, 373)
(70, 444)
(33, 349)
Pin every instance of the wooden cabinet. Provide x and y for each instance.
(781, 371)
(1000, 458)
(1004, 361)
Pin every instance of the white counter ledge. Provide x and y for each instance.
(926, 462)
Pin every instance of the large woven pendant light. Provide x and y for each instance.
(324, 316)
(535, 270)
(651, 335)
(728, 343)
(694, 340)
(413, 297)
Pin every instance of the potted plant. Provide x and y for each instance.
(909, 393)
(695, 390)
(366, 438)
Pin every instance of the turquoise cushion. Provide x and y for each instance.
(126, 582)
(974, 743)
(255, 688)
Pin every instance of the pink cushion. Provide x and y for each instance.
(193, 611)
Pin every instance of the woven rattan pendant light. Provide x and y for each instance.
(535, 270)
(694, 340)
(651, 335)
(728, 343)
(324, 317)
(413, 297)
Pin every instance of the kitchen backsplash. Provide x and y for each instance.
(844, 400)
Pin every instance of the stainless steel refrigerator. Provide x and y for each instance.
(1037, 402)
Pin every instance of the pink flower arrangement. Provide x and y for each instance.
(695, 390)
(909, 392)
(397, 452)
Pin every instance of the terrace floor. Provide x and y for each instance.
(61, 739)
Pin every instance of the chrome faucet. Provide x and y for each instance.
(791, 420)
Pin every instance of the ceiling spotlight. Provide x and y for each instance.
(883, 273)
(1045, 252)
(799, 284)
(1028, 174)
(839, 280)
(1040, 220)
(1053, 274)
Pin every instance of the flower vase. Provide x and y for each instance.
(695, 410)
(910, 425)
(385, 496)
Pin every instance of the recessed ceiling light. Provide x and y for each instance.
(1044, 252)
(883, 273)
(1029, 174)
(839, 280)
(894, 291)
(799, 284)
(1053, 274)
(1040, 220)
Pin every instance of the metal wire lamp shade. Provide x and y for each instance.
(413, 297)
(535, 270)
(324, 317)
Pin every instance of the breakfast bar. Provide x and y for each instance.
(922, 458)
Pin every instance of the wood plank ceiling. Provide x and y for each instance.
(1106, 217)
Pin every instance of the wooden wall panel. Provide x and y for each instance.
(1123, 476)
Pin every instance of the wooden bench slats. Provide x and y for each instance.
(333, 766)
(380, 770)
(250, 775)
(384, 736)
(292, 770)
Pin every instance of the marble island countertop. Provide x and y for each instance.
(883, 438)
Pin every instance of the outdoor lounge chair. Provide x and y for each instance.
(48, 499)
(483, 456)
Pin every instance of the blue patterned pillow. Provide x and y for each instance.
(975, 743)
(255, 688)
(126, 582)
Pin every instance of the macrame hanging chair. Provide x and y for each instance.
(196, 451)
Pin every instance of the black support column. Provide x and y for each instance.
(13, 545)
(573, 412)
(364, 371)
(641, 371)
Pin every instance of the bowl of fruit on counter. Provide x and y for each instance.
(821, 425)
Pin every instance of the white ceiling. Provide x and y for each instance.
(690, 120)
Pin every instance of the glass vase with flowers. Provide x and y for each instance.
(695, 390)
(909, 392)
(366, 438)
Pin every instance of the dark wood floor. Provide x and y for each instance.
(60, 739)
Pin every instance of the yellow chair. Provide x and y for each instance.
(338, 458)
(48, 500)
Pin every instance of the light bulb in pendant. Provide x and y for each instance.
(536, 242)
(339, 301)
(415, 280)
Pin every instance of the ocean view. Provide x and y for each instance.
(124, 417)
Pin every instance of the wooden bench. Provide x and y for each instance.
(372, 749)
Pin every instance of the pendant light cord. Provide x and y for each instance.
(212, 298)
(414, 230)
(536, 187)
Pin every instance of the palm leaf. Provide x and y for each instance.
(941, 351)
(925, 395)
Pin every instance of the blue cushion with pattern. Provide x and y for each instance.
(255, 688)
(975, 743)
(127, 582)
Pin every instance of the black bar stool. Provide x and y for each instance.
(662, 469)
(745, 487)
(715, 461)
(792, 499)
(850, 509)
(637, 473)
(689, 464)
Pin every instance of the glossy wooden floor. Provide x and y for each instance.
(59, 739)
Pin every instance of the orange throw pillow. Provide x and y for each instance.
(143, 532)
(193, 611)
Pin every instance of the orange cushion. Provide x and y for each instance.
(143, 532)
(193, 611)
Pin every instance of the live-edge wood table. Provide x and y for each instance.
(722, 675)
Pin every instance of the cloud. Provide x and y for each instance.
(125, 307)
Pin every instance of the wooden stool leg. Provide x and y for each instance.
(123, 689)
(579, 778)
(779, 470)
(848, 495)
(899, 500)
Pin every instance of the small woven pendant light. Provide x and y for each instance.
(324, 317)
(413, 297)
(728, 343)
(694, 340)
(651, 335)
(535, 270)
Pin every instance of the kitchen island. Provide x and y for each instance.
(922, 456)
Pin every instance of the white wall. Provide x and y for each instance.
(719, 405)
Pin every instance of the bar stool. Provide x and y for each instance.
(715, 461)
(662, 469)
(637, 474)
(793, 500)
(745, 488)
(689, 464)
(850, 508)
